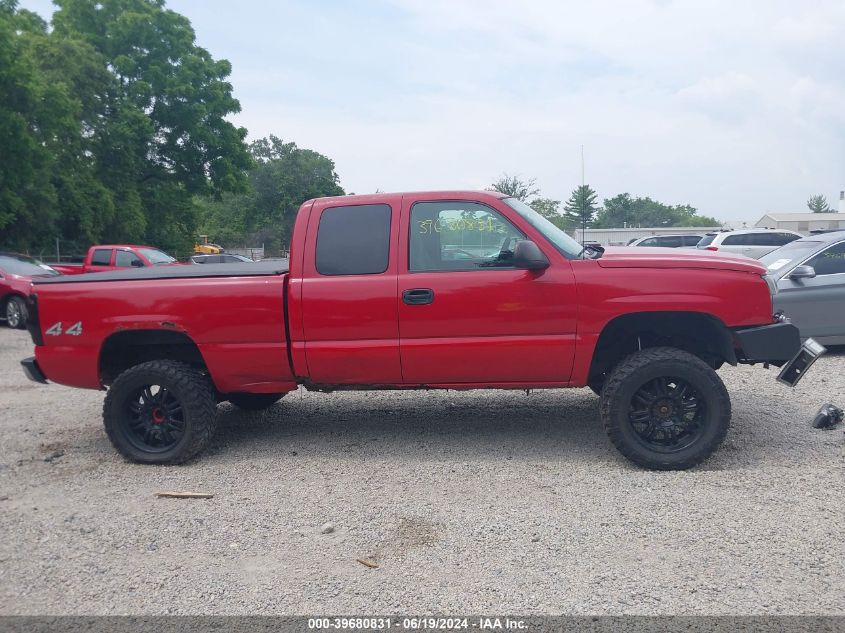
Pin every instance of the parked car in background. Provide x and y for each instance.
(111, 256)
(749, 242)
(16, 275)
(225, 258)
(810, 275)
(668, 241)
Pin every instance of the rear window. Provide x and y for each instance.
(707, 240)
(354, 240)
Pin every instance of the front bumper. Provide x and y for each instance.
(778, 344)
(32, 370)
(774, 344)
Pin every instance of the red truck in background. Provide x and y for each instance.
(105, 257)
(16, 274)
(437, 290)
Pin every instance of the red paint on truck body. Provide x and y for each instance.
(503, 328)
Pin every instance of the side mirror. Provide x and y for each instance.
(137, 263)
(527, 255)
(802, 272)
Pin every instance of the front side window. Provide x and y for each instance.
(124, 259)
(156, 256)
(460, 236)
(830, 261)
(652, 241)
(354, 240)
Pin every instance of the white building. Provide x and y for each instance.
(805, 222)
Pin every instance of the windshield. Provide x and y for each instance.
(561, 241)
(22, 265)
(156, 256)
(781, 259)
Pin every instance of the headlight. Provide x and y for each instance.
(772, 284)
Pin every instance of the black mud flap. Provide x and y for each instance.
(795, 369)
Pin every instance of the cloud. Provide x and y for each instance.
(733, 107)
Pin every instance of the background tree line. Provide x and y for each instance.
(582, 209)
(113, 129)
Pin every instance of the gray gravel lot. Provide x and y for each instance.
(470, 502)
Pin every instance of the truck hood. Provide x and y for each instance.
(641, 257)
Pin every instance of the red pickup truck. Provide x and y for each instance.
(105, 257)
(438, 290)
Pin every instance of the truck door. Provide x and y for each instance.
(466, 315)
(349, 314)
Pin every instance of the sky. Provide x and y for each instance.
(737, 108)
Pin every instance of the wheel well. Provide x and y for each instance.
(701, 334)
(123, 350)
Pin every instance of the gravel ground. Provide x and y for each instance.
(469, 502)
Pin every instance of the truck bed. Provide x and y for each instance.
(246, 269)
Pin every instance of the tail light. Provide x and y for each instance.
(712, 248)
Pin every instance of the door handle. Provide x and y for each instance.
(418, 296)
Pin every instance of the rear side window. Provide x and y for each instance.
(737, 240)
(691, 240)
(671, 241)
(354, 240)
(763, 239)
(101, 257)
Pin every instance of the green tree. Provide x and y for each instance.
(819, 204)
(516, 187)
(284, 176)
(112, 122)
(581, 207)
(624, 210)
(549, 209)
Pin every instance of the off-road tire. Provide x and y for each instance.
(254, 401)
(194, 393)
(643, 366)
(21, 310)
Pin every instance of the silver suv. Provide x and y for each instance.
(751, 243)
